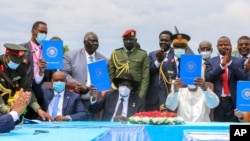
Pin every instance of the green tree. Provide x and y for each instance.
(65, 48)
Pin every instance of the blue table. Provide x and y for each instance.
(115, 131)
(57, 134)
(175, 132)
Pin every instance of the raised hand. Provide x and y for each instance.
(178, 84)
(247, 69)
(201, 83)
(160, 55)
(21, 102)
(227, 58)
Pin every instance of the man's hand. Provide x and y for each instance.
(120, 118)
(238, 114)
(178, 84)
(21, 102)
(61, 118)
(42, 64)
(93, 93)
(77, 87)
(201, 83)
(160, 55)
(227, 58)
(44, 115)
(247, 69)
(81, 89)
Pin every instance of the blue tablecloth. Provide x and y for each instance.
(115, 131)
(206, 135)
(175, 132)
(57, 134)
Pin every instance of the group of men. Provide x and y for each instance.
(140, 81)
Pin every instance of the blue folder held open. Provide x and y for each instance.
(190, 68)
(52, 53)
(99, 75)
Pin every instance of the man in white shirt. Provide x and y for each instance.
(193, 104)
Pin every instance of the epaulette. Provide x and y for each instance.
(143, 50)
(119, 48)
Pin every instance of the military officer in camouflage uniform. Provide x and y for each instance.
(13, 76)
(132, 60)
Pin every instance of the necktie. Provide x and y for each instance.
(225, 81)
(91, 59)
(120, 107)
(55, 106)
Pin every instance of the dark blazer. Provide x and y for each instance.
(235, 72)
(157, 89)
(72, 104)
(6, 123)
(109, 101)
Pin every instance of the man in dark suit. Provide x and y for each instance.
(8, 121)
(161, 73)
(120, 104)
(224, 71)
(60, 103)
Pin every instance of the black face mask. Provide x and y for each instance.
(129, 45)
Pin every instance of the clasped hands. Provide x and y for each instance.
(226, 58)
(77, 87)
(160, 55)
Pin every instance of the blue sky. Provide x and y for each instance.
(70, 20)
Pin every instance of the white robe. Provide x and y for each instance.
(193, 106)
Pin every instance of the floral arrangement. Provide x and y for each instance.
(156, 118)
(12, 99)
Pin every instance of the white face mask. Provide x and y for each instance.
(178, 52)
(205, 54)
(191, 86)
(124, 91)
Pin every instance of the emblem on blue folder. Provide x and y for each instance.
(52, 51)
(190, 66)
(246, 93)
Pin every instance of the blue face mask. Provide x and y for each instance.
(12, 65)
(58, 86)
(40, 37)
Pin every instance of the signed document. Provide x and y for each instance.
(99, 75)
(243, 96)
(52, 53)
(190, 68)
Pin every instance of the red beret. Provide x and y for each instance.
(129, 32)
